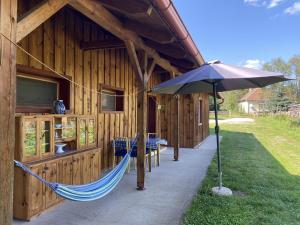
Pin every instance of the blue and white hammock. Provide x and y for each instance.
(87, 192)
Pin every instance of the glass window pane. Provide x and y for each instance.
(69, 127)
(200, 111)
(33, 92)
(82, 137)
(30, 141)
(91, 130)
(45, 137)
(108, 100)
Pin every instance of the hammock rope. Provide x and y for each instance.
(86, 192)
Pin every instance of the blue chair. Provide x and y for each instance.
(133, 155)
(120, 147)
(155, 148)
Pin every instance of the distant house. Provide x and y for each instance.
(253, 102)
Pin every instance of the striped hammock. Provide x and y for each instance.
(86, 192)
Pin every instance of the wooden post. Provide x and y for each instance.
(142, 132)
(177, 129)
(8, 17)
(139, 63)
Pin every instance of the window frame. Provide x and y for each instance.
(118, 91)
(47, 76)
(200, 111)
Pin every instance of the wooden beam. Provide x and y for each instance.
(166, 49)
(143, 60)
(129, 6)
(182, 63)
(134, 60)
(151, 33)
(37, 16)
(150, 68)
(96, 12)
(8, 19)
(103, 44)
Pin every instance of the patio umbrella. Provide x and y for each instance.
(214, 77)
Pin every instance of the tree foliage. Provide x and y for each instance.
(288, 92)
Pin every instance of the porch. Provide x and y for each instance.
(93, 56)
(170, 188)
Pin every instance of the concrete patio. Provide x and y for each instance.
(169, 191)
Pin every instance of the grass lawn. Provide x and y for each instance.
(261, 163)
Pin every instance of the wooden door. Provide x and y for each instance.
(95, 166)
(86, 168)
(35, 195)
(151, 114)
(46, 137)
(65, 170)
(91, 132)
(51, 175)
(76, 173)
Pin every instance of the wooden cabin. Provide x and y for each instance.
(101, 57)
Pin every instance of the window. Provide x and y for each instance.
(111, 99)
(108, 100)
(37, 90)
(200, 112)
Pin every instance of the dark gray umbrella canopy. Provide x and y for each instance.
(227, 78)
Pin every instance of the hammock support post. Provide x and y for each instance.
(142, 138)
(8, 20)
(143, 70)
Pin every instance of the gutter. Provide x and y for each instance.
(169, 14)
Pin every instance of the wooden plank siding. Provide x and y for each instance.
(191, 133)
(57, 43)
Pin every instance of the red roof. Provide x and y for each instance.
(255, 94)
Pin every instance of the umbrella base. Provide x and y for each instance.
(223, 191)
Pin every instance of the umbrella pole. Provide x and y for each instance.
(217, 129)
(220, 190)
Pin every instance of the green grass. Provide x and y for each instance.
(261, 163)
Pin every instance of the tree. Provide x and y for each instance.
(295, 64)
(278, 102)
(278, 65)
(289, 90)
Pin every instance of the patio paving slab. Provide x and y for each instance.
(169, 191)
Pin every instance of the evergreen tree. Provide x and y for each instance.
(278, 102)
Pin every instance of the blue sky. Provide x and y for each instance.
(243, 32)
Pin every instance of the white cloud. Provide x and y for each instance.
(274, 3)
(265, 3)
(255, 2)
(295, 8)
(253, 63)
(252, 2)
